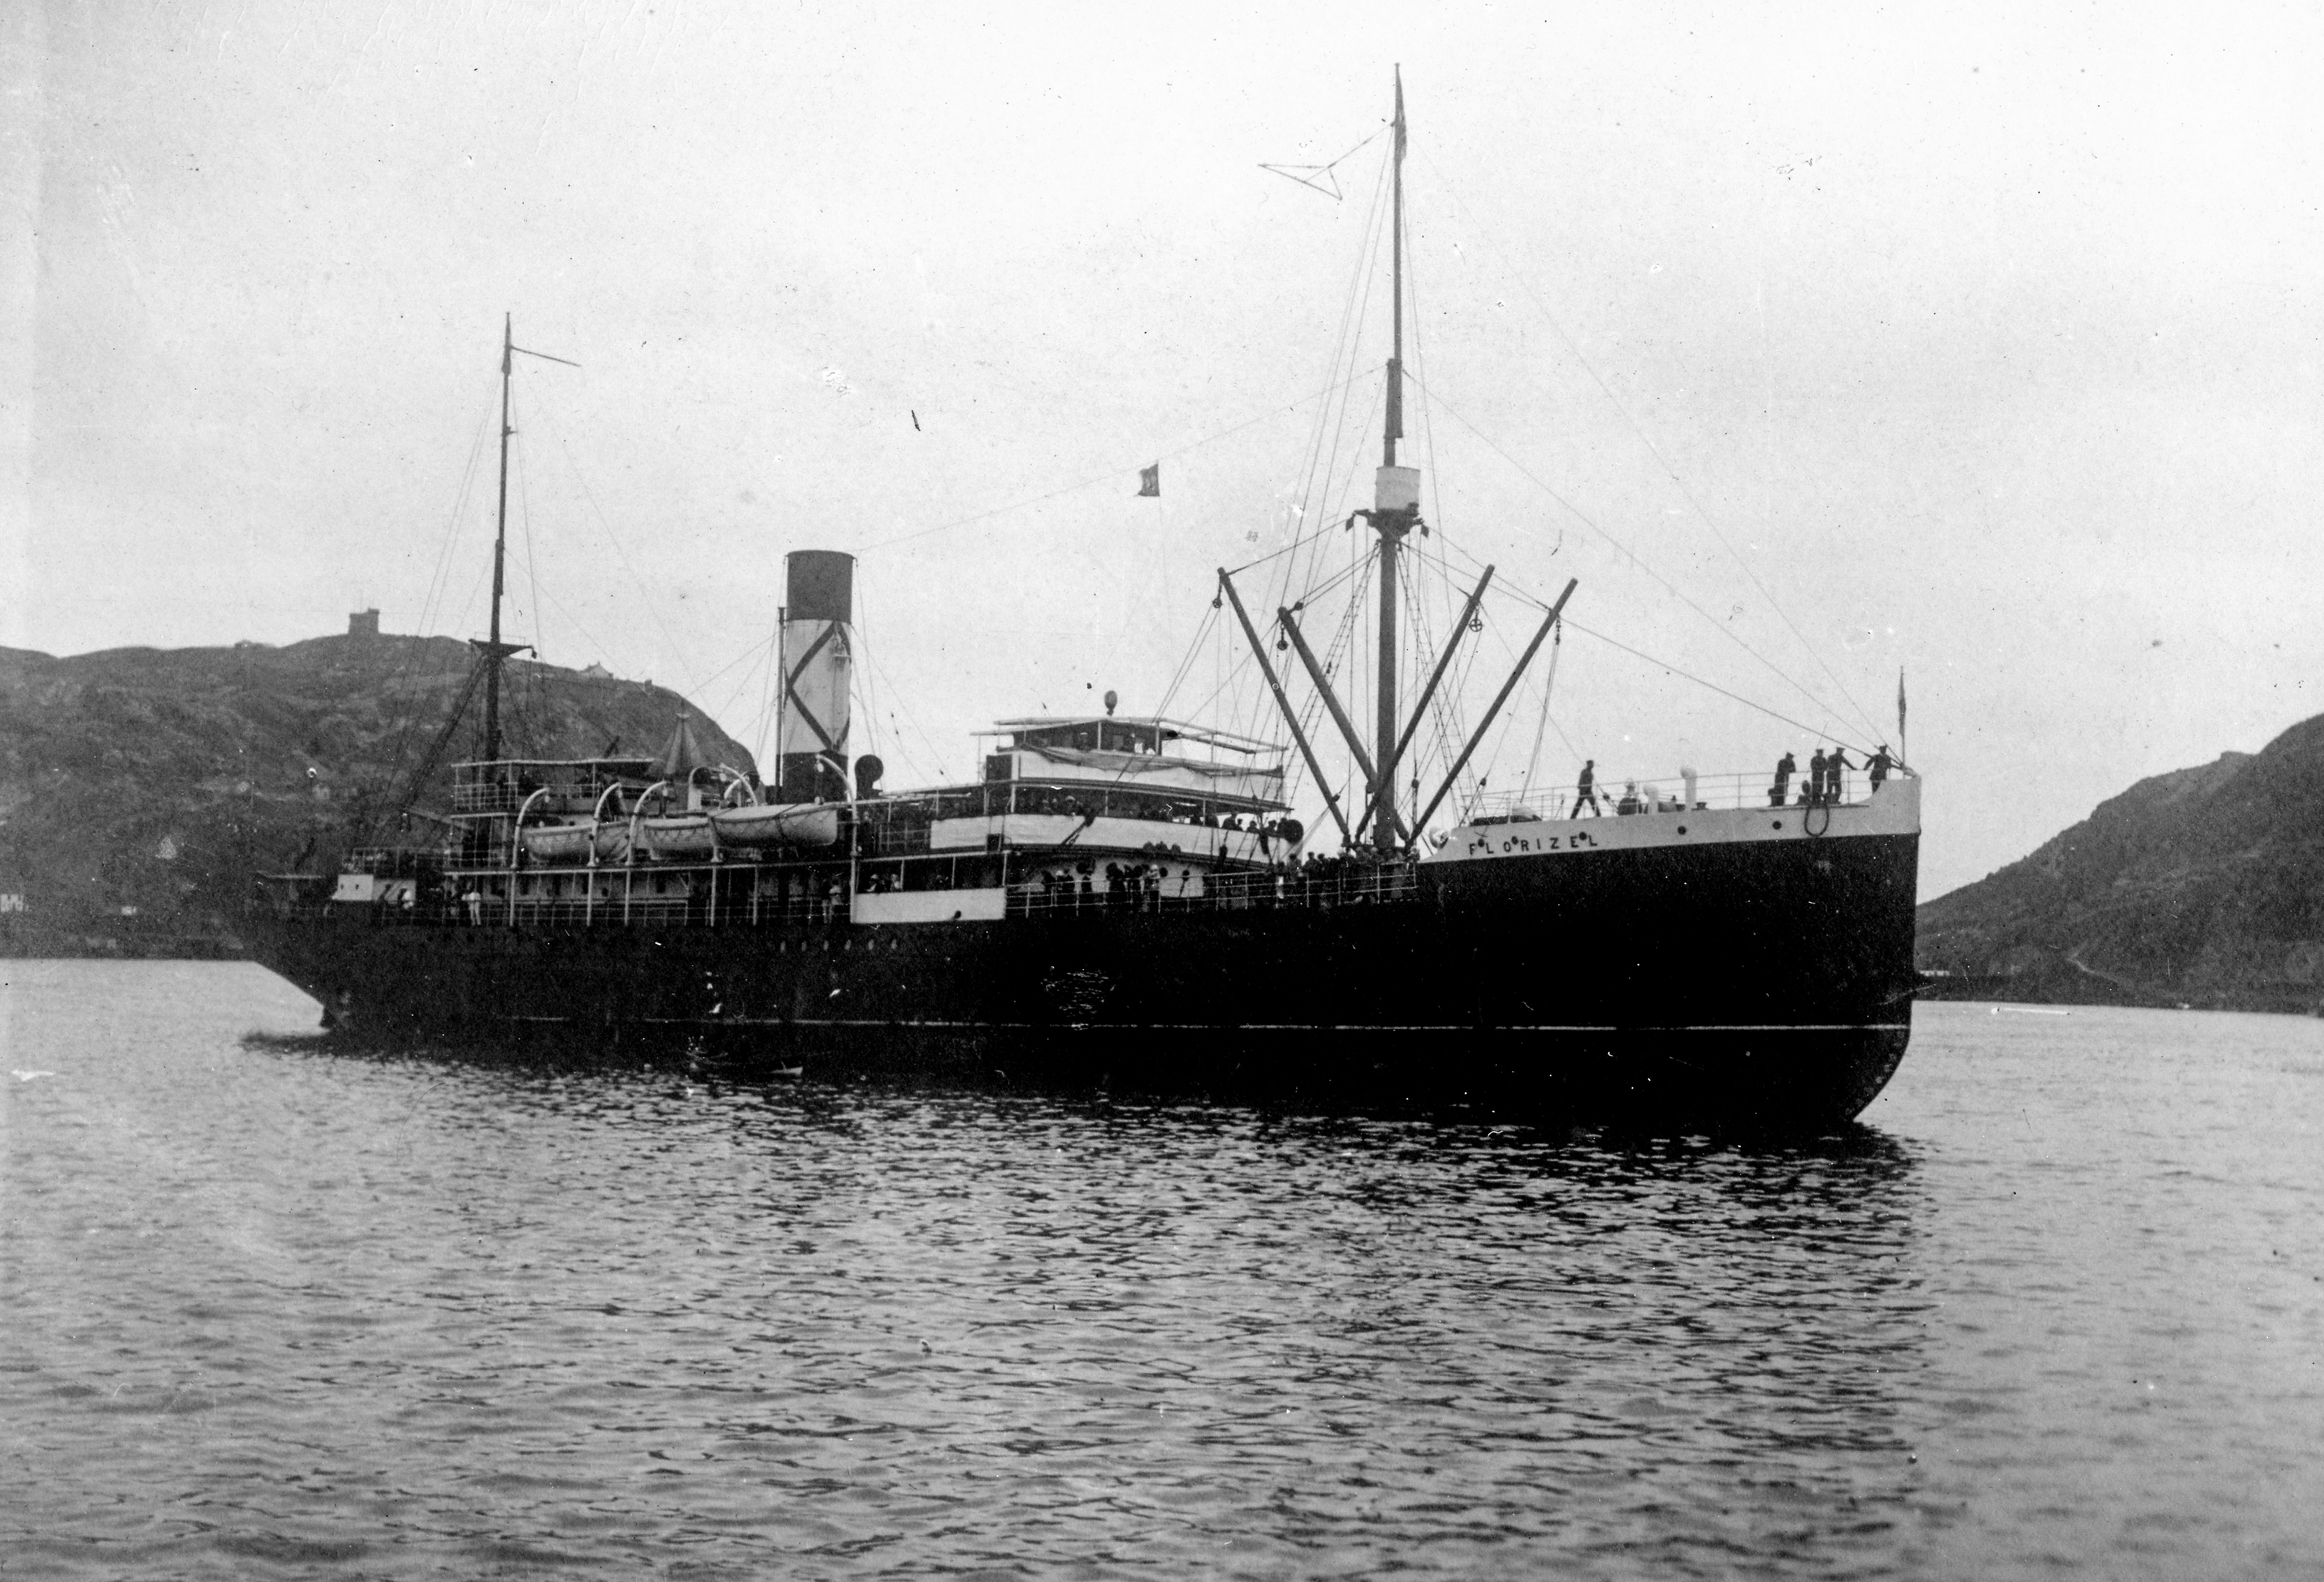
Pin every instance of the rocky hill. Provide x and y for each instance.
(2203, 887)
(141, 787)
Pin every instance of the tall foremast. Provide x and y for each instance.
(492, 649)
(491, 653)
(1396, 510)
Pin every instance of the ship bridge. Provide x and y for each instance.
(1167, 757)
(1070, 796)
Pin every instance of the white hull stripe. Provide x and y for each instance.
(1237, 1027)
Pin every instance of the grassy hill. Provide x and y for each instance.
(2203, 887)
(141, 787)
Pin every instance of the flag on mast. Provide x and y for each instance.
(1900, 711)
(1150, 480)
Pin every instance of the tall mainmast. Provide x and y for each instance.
(1395, 511)
(491, 649)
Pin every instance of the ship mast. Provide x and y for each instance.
(492, 651)
(1395, 511)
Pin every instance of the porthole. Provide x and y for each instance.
(1779, 823)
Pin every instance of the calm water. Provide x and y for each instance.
(2056, 1309)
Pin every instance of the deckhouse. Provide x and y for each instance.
(1083, 806)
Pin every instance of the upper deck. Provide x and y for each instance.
(1724, 810)
(1148, 754)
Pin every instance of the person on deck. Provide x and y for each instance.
(1835, 768)
(1785, 767)
(1879, 763)
(1585, 791)
(1818, 767)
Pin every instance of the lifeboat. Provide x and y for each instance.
(572, 843)
(778, 824)
(684, 835)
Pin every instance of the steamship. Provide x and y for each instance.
(1132, 900)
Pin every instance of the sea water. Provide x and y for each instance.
(2056, 1308)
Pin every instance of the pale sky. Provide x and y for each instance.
(1982, 342)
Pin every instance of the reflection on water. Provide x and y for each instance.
(270, 1306)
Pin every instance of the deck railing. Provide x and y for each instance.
(1669, 793)
(1319, 889)
(1325, 885)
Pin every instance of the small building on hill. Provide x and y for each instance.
(364, 623)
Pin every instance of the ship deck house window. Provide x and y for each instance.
(1094, 735)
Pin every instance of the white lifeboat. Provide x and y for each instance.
(778, 824)
(572, 843)
(683, 835)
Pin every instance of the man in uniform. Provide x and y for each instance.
(1585, 790)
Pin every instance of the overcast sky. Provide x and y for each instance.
(1816, 342)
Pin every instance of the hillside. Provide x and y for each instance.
(141, 787)
(2203, 887)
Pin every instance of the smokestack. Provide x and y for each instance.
(811, 733)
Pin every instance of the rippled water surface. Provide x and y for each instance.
(2057, 1307)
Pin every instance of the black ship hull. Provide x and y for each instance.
(1753, 983)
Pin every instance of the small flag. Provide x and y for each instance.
(1150, 479)
(1900, 712)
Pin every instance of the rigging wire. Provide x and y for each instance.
(1632, 557)
(871, 653)
(1714, 686)
(759, 721)
(1443, 709)
(574, 622)
(755, 655)
(1436, 511)
(1427, 423)
(408, 664)
(860, 676)
(670, 642)
(1651, 449)
(1548, 685)
(1344, 344)
(1096, 478)
(750, 654)
(1286, 549)
(439, 582)
(531, 575)
(1194, 649)
(1287, 171)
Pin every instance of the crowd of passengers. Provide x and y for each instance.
(1352, 875)
(1825, 782)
